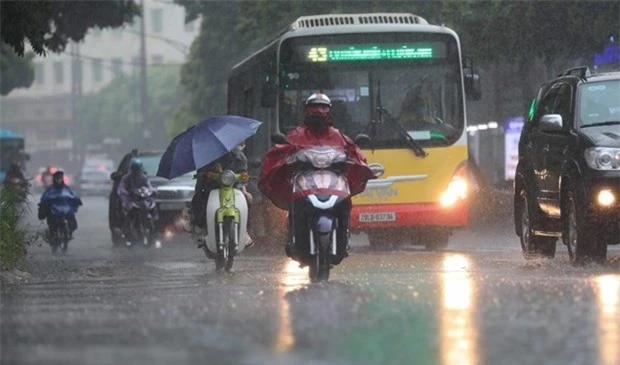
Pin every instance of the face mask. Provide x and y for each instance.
(316, 121)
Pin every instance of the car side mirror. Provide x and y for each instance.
(256, 163)
(551, 123)
(362, 140)
(114, 176)
(279, 138)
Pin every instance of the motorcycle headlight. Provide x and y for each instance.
(227, 178)
(603, 158)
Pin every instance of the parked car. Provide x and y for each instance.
(171, 196)
(567, 181)
(94, 182)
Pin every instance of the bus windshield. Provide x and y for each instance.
(415, 77)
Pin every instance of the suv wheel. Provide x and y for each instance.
(533, 246)
(583, 245)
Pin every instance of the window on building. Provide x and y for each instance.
(59, 75)
(97, 70)
(137, 23)
(39, 76)
(157, 19)
(77, 69)
(117, 66)
(157, 59)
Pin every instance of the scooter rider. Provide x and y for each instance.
(235, 161)
(317, 130)
(134, 179)
(59, 200)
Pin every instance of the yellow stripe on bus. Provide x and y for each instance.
(411, 179)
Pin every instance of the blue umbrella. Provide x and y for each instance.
(204, 143)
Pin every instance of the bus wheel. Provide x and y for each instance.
(434, 238)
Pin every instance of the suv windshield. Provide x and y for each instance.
(599, 103)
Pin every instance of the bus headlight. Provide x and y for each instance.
(605, 198)
(457, 190)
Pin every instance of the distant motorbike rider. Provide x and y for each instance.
(59, 200)
(134, 179)
(317, 130)
(235, 161)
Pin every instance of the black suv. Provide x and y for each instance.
(567, 182)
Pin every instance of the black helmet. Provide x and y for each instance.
(58, 178)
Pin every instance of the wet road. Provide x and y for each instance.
(478, 302)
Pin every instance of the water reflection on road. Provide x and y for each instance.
(608, 299)
(457, 320)
(291, 278)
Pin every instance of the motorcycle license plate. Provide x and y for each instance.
(172, 206)
(378, 217)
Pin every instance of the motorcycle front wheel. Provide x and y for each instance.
(226, 254)
(320, 263)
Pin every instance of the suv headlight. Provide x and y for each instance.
(603, 158)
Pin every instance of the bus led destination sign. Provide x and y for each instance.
(368, 53)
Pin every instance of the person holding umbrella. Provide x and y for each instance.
(211, 146)
(236, 161)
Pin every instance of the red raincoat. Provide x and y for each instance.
(276, 176)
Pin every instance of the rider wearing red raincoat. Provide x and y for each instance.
(317, 130)
(276, 175)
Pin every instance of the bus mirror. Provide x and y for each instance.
(362, 140)
(473, 89)
(268, 95)
(279, 138)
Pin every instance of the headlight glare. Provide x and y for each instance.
(457, 190)
(606, 198)
(603, 158)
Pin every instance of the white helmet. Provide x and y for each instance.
(318, 98)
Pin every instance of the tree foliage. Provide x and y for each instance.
(51, 24)
(15, 71)
(113, 111)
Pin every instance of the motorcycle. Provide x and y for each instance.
(141, 228)
(319, 238)
(59, 235)
(227, 218)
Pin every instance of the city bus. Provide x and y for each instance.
(376, 68)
